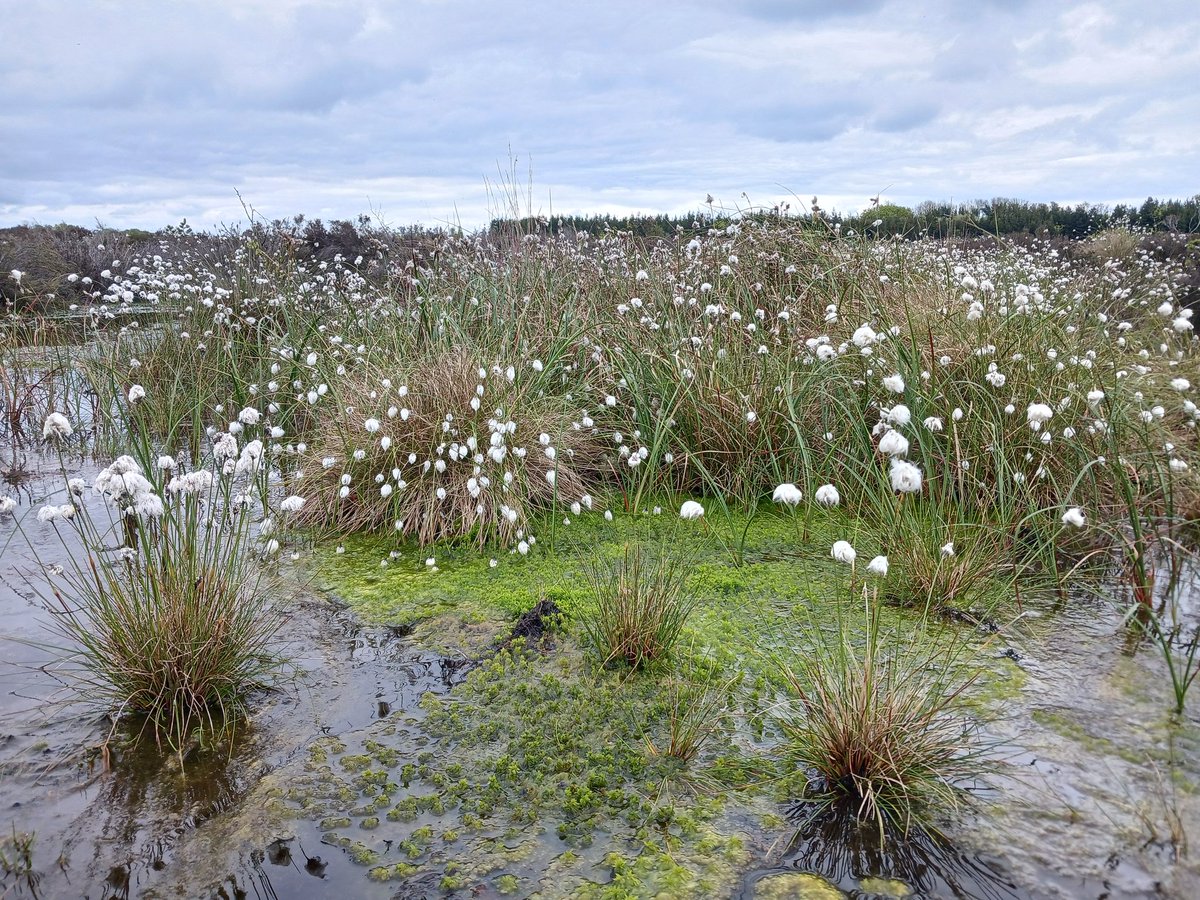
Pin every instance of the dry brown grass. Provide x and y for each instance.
(439, 428)
(877, 717)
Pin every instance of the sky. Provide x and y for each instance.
(142, 113)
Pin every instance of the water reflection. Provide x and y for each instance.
(148, 802)
(271, 874)
(830, 842)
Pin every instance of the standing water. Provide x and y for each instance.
(1095, 795)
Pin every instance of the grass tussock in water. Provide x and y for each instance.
(876, 717)
(696, 710)
(165, 605)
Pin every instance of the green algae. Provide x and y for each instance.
(395, 872)
(1071, 728)
(358, 852)
(542, 768)
(1001, 680)
(466, 586)
(782, 585)
(795, 886)
(508, 884)
(886, 887)
(705, 868)
(355, 763)
(533, 755)
(1162, 745)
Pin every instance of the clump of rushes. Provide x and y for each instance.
(876, 719)
(696, 711)
(451, 449)
(642, 602)
(163, 605)
(939, 564)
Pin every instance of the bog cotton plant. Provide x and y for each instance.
(1074, 517)
(827, 495)
(844, 552)
(56, 428)
(788, 495)
(948, 391)
(456, 451)
(905, 476)
(161, 608)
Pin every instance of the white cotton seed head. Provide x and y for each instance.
(1074, 517)
(843, 552)
(787, 494)
(893, 444)
(905, 477)
(56, 427)
(827, 495)
(1037, 413)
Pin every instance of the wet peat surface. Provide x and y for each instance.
(107, 821)
(110, 824)
(1096, 786)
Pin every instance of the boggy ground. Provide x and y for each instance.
(529, 769)
(998, 415)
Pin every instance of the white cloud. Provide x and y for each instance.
(143, 113)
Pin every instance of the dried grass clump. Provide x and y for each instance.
(441, 451)
(1118, 244)
(877, 717)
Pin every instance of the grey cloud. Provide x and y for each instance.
(800, 120)
(137, 111)
(904, 118)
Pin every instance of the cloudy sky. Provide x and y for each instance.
(145, 112)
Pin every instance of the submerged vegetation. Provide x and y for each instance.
(16, 862)
(781, 480)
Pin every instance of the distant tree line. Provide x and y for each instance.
(999, 216)
(1006, 216)
(46, 254)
